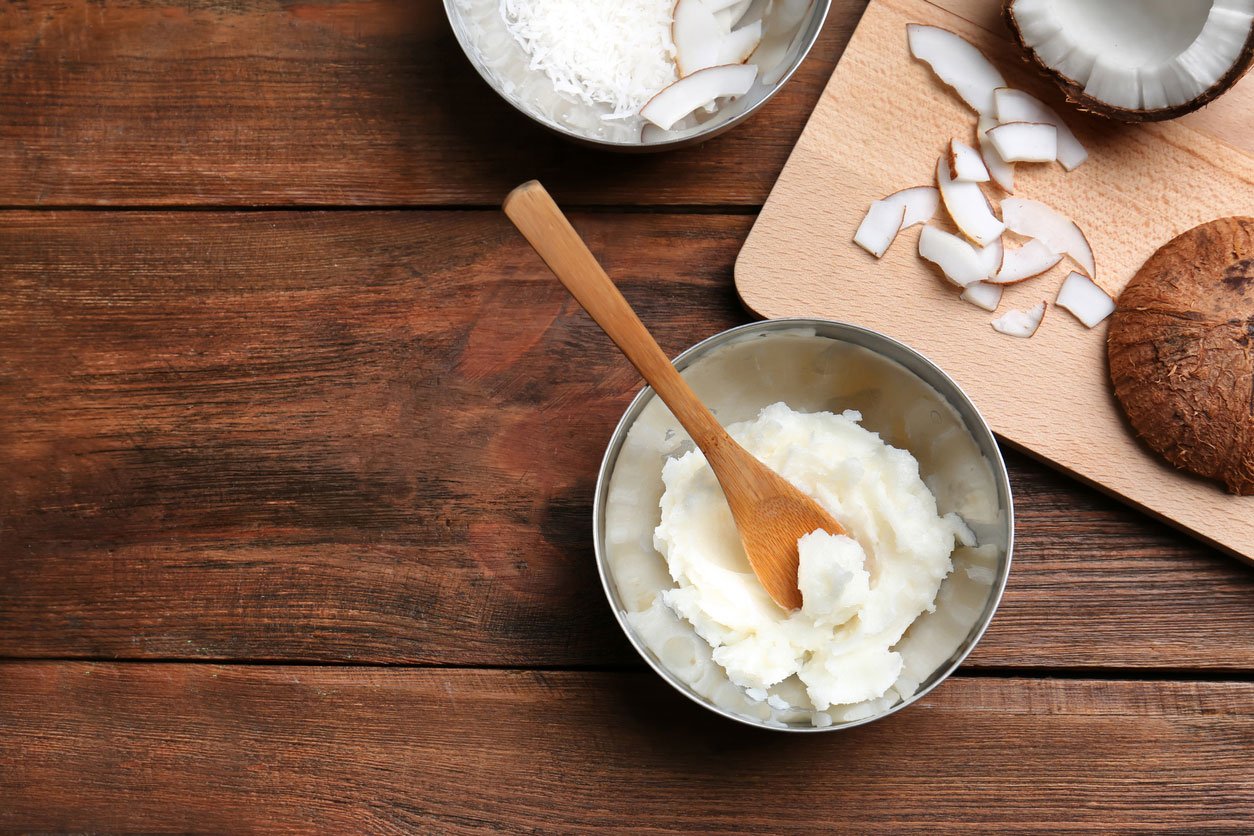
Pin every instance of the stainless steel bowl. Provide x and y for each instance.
(904, 397)
(481, 33)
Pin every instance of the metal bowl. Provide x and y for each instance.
(492, 51)
(811, 364)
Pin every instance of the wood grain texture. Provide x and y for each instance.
(209, 748)
(374, 436)
(164, 102)
(1141, 186)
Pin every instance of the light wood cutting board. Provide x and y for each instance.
(879, 126)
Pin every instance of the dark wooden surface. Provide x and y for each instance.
(246, 418)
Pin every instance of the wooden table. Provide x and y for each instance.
(299, 443)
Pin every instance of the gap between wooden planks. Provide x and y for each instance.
(244, 436)
(228, 748)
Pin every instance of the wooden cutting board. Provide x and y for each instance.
(879, 127)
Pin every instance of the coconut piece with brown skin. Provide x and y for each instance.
(1181, 352)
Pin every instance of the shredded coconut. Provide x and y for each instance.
(616, 53)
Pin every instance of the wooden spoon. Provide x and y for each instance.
(770, 513)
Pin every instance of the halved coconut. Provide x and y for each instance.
(965, 163)
(1032, 259)
(1017, 106)
(1036, 220)
(983, 295)
(1002, 172)
(1137, 60)
(1087, 301)
(957, 63)
(1017, 323)
(880, 226)
(957, 259)
(677, 100)
(1025, 142)
(968, 207)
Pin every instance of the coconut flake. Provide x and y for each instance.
(1001, 172)
(965, 163)
(1058, 232)
(1017, 323)
(1025, 142)
(1032, 259)
(1086, 300)
(983, 295)
(676, 101)
(957, 63)
(880, 226)
(967, 206)
(1017, 106)
(957, 259)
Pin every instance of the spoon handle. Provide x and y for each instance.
(542, 223)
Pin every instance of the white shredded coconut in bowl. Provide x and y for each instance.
(617, 53)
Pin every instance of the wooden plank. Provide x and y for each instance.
(1051, 394)
(194, 747)
(162, 102)
(373, 436)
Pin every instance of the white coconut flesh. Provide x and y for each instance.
(957, 259)
(1059, 233)
(894, 213)
(677, 100)
(1088, 302)
(967, 206)
(1002, 172)
(983, 295)
(1032, 259)
(965, 163)
(1017, 323)
(957, 63)
(1018, 106)
(1025, 142)
(1138, 55)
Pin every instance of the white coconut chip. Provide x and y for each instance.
(1017, 106)
(965, 163)
(677, 100)
(1002, 172)
(957, 63)
(983, 295)
(1058, 232)
(957, 259)
(1017, 323)
(739, 44)
(1088, 302)
(698, 36)
(880, 226)
(991, 256)
(967, 206)
(1025, 142)
(1032, 259)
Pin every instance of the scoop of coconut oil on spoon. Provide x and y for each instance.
(770, 514)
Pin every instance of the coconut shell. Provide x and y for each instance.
(1181, 352)
(1074, 90)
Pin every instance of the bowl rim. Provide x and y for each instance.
(814, 27)
(873, 341)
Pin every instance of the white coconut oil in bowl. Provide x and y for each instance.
(812, 366)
